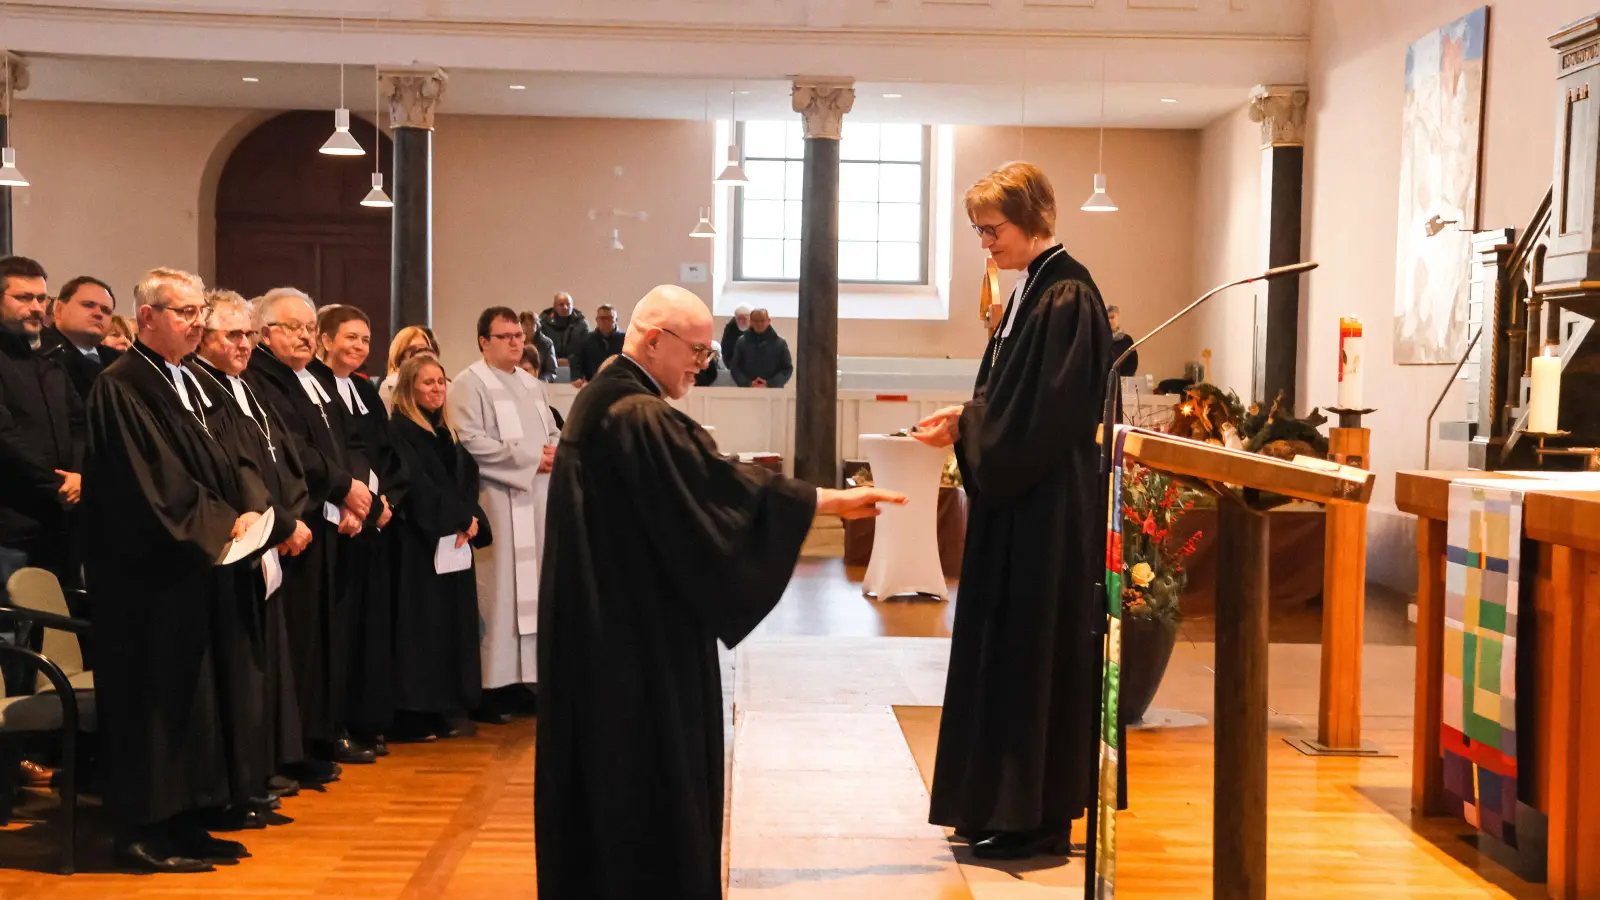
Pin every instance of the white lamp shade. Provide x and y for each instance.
(376, 196)
(732, 174)
(1099, 201)
(342, 142)
(9, 176)
(703, 228)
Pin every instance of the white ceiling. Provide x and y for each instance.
(186, 82)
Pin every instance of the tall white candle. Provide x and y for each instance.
(1350, 363)
(1544, 401)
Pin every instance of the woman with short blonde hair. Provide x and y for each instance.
(1017, 742)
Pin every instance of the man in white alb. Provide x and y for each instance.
(503, 417)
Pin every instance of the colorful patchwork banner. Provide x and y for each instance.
(1478, 734)
(1105, 838)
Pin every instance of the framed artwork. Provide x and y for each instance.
(1441, 140)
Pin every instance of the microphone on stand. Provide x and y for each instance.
(1108, 424)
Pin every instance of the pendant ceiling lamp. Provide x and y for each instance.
(704, 228)
(9, 175)
(341, 142)
(1100, 201)
(376, 197)
(732, 174)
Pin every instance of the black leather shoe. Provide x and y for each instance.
(234, 818)
(149, 856)
(974, 836)
(491, 715)
(347, 751)
(199, 844)
(1022, 845)
(380, 746)
(279, 786)
(458, 728)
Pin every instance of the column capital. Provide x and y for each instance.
(14, 74)
(823, 102)
(1281, 110)
(413, 94)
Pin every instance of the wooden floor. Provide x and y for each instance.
(454, 819)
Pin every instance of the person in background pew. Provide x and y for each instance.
(599, 345)
(120, 334)
(1121, 342)
(408, 342)
(761, 358)
(436, 674)
(543, 348)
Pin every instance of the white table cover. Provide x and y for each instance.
(905, 544)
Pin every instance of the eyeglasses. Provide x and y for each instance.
(702, 353)
(238, 336)
(990, 231)
(293, 327)
(509, 337)
(186, 314)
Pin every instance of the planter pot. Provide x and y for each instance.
(1146, 649)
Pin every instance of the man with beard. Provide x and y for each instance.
(41, 432)
(225, 352)
(339, 502)
(166, 495)
(629, 757)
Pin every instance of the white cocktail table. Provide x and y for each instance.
(905, 545)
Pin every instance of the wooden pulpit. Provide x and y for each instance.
(1248, 484)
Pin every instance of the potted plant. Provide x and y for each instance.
(1153, 579)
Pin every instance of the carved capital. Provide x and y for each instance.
(1281, 110)
(413, 95)
(822, 102)
(14, 74)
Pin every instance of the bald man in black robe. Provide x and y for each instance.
(629, 760)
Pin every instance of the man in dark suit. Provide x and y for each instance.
(82, 314)
(42, 432)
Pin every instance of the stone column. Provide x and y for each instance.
(414, 96)
(822, 102)
(1281, 110)
(13, 78)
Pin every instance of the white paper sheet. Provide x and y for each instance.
(271, 571)
(450, 558)
(253, 539)
(330, 512)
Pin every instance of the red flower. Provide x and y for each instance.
(1150, 525)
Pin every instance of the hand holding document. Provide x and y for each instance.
(248, 542)
(452, 556)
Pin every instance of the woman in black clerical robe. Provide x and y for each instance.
(366, 559)
(436, 674)
(1016, 742)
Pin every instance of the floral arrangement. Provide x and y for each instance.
(1207, 413)
(1153, 575)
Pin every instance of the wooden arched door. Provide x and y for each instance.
(288, 215)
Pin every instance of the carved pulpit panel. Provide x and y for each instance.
(1572, 265)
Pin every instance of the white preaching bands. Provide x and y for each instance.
(240, 392)
(1019, 296)
(176, 383)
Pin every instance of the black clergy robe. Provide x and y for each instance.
(365, 618)
(265, 438)
(1015, 741)
(628, 797)
(435, 616)
(177, 701)
(310, 595)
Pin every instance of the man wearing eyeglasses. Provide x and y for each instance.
(503, 418)
(42, 433)
(599, 345)
(83, 313)
(166, 495)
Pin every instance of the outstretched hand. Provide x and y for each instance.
(856, 503)
(941, 429)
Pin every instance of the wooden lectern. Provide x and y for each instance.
(1248, 484)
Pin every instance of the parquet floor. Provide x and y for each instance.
(454, 819)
